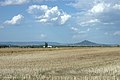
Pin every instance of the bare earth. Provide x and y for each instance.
(60, 64)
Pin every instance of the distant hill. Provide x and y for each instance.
(88, 43)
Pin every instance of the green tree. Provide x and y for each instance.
(46, 44)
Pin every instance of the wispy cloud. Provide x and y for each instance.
(19, 2)
(80, 4)
(13, 2)
(84, 31)
(78, 31)
(117, 33)
(74, 29)
(89, 22)
(79, 36)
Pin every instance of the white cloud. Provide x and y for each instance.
(64, 18)
(102, 13)
(45, 14)
(99, 7)
(108, 14)
(102, 16)
(15, 20)
(13, 2)
(50, 14)
(117, 33)
(35, 8)
(116, 6)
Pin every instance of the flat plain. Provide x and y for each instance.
(83, 63)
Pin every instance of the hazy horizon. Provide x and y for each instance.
(57, 42)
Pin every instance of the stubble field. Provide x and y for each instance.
(98, 63)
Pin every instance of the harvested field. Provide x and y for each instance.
(97, 63)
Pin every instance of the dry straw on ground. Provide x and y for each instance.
(60, 64)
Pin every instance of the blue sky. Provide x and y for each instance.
(64, 21)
